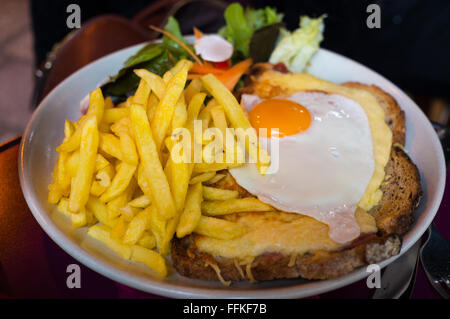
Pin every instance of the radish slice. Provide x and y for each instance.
(213, 48)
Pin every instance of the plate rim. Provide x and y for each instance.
(171, 289)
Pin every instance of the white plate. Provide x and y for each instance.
(45, 132)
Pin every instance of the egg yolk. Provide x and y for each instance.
(280, 117)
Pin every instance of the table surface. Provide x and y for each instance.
(33, 266)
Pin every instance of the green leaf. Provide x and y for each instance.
(263, 42)
(173, 27)
(241, 25)
(147, 53)
(296, 48)
(238, 32)
(126, 84)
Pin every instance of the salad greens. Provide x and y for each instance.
(296, 48)
(241, 26)
(258, 34)
(155, 57)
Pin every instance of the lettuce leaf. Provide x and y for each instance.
(157, 57)
(237, 30)
(241, 25)
(296, 48)
(173, 27)
(259, 18)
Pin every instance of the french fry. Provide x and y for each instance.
(215, 179)
(104, 127)
(83, 218)
(171, 227)
(96, 104)
(108, 104)
(63, 207)
(166, 107)
(102, 233)
(110, 145)
(128, 149)
(124, 174)
(149, 258)
(191, 214)
(152, 104)
(79, 219)
(122, 126)
(90, 217)
(61, 173)
(219, 119)
(152, 170)
(81, 185)
(115, 205)
(129, 212)
(213, 193)
(115, 114)
(230, 206)
(202, 177)
(105, 176)
(210, 167)
(193, 109)
(140, 202)
(119, 229)
(143, 183)
(153, 80)
(147, 241)
(180, 174)
(136, 227)
(157, 226)
(69, 129)
(72, 143)
(219, 228)
(142, 93)
(73, 159)
(205, 114)
(97, 189)
(192, 89)
(180, 114)
(100, 162)
(238, 119)
(100, 211)
(55, 193)
(176, 69)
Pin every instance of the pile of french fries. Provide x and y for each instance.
(116, 174)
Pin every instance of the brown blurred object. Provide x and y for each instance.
(96, 38)
(108, 33)
(436, 108)
(439, 111)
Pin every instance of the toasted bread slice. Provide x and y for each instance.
(394, 215)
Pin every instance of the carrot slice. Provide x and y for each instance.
(231, 76)
(184, 46)
(203, 69)
(198, 34)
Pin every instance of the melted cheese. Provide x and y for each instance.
(298, 234)
(286, 233)
(275, 83)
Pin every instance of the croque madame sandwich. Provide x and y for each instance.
(343, 193)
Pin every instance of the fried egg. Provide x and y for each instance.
(322, 157)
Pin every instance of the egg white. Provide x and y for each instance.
(322, 172)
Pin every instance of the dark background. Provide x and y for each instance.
(412, 47)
